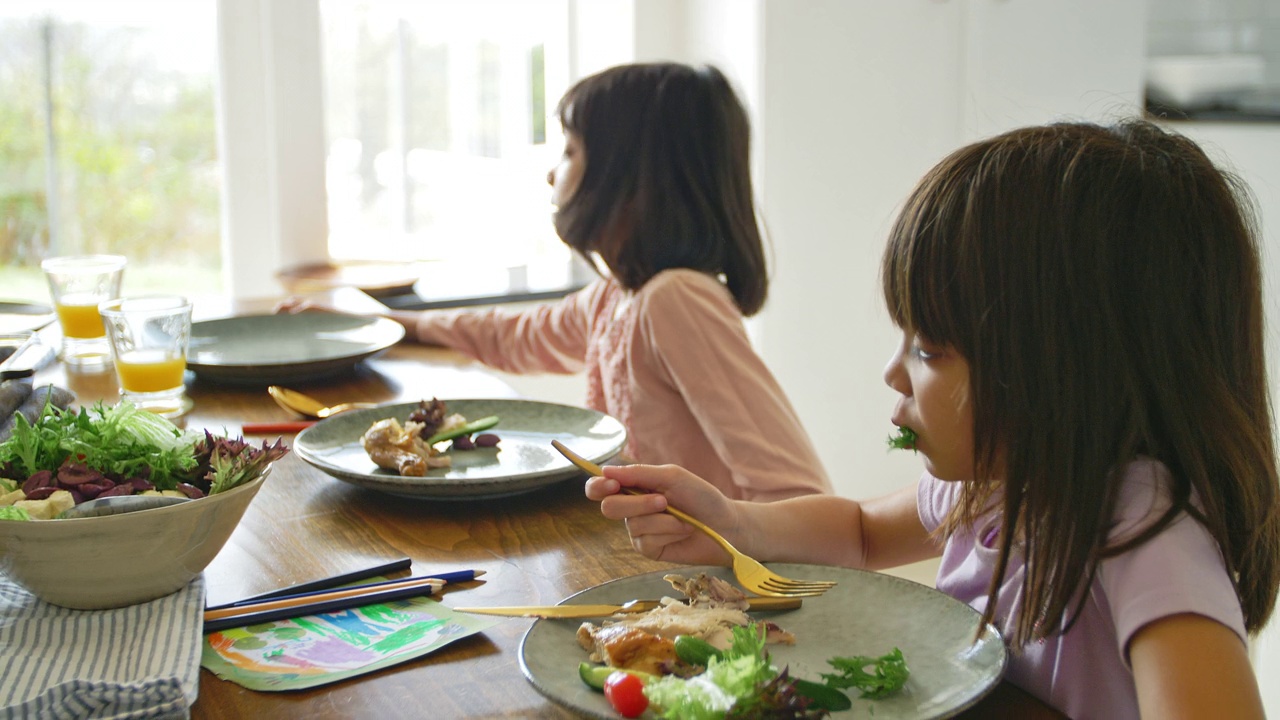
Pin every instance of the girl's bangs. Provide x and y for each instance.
(921, 259)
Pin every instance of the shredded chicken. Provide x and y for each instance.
(401, 449)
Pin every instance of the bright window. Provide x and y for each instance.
(108, 141)
(440, 131)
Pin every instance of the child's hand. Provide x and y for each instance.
(654, 533)
(295, 305)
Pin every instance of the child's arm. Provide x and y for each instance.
(822, 529)
(1189, 666)
(549, 337)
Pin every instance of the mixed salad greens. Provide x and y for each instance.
(741, 682)
(120, 450)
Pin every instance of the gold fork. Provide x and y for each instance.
(750, 573)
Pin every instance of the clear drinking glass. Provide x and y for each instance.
(149, 336)
(78, 284)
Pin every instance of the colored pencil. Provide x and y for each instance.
(328, 583)
(357, 592)
(445, 577)
(300, 607)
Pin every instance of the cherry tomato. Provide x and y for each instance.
(625, 693)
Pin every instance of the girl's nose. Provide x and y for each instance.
(895, 375)
(551, 177)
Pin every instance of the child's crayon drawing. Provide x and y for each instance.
(318, 649)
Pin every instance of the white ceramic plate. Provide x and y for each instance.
(268, 349)
(867, 613)
(522, 462)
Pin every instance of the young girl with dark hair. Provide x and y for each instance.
(1082, 364)
(654, 189)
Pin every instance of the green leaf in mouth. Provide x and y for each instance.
(904, 439)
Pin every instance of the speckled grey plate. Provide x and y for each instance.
(867, 613)
(267, 349)
(523, 461)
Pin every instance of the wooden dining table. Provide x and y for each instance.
(534, 548)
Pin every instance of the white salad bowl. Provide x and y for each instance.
(112, 561)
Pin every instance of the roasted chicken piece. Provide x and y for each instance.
(622, 646)
(401, 449)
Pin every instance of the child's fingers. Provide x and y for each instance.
(660, 527)
(651, 478)
(291, 306)
(659, 546)
(663, 537)
(599, 488)
(624, 507)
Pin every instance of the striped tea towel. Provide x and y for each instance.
(141, 661)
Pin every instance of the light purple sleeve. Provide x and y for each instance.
(1181, 570)
(934, 500)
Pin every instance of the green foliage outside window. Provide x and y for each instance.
(129, 153)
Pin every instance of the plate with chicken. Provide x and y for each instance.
(431, 449)
(953, 659)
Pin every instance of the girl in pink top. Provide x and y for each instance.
(1082, 366)
(654, 189)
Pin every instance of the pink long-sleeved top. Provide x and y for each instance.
(672, 362)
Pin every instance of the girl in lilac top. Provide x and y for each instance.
(654, 189)
(1082, 364)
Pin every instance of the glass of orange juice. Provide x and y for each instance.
(78, 284)
(149, 336)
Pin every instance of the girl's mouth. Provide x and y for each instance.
(904, 438)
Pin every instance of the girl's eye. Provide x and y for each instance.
(924, 353)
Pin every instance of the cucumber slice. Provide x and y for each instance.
(595, 675)
(474, 426)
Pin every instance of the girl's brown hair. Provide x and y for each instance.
(667, 181)
(1105, 286)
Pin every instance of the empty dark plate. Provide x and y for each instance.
(268, 349)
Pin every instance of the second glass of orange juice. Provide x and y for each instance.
(149, 336)
(78, 284)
